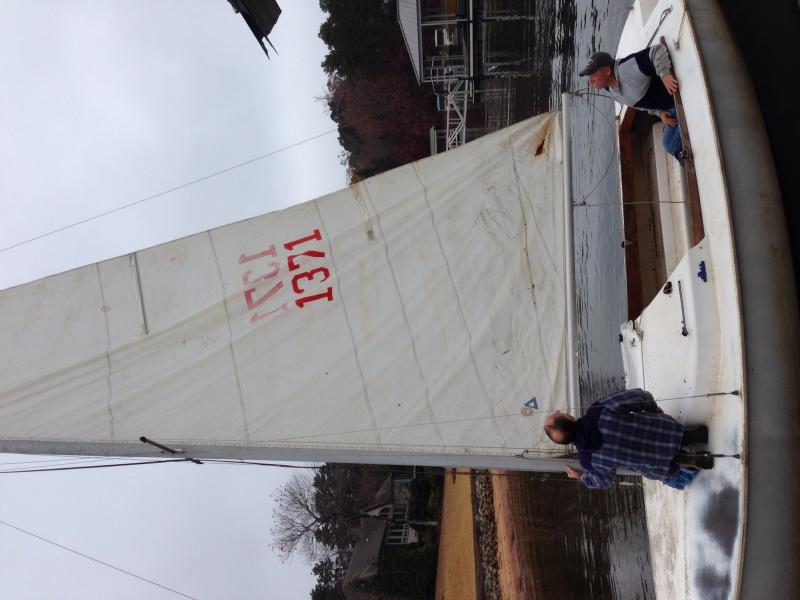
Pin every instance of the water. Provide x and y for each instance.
(567, 32)
(579, 543)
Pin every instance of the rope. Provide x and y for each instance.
(664, 14)
(578, 94)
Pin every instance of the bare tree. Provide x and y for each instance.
(316, 512)
(296, 520)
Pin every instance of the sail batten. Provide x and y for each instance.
(419, 312)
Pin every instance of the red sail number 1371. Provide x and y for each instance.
(299, 280)
(319, 274)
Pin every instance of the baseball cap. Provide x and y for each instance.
(598, 59)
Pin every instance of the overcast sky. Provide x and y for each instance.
(103, 104)
(106, 103)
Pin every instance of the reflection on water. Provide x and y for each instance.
(581, 543)
(577, 543)
(568, 33)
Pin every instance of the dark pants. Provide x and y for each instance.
(695, 434)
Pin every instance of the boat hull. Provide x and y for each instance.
(769, 314)
(732, 534)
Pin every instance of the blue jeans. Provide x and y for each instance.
(672, 136)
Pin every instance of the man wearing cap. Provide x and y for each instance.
(645, 81)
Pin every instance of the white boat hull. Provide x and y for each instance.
(733, 532)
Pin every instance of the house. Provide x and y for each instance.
(364, 559)
(391, 506)
(470, 52)
(440, 42)
(383, 527)
(439, 37)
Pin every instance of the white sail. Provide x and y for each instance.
(412, 317)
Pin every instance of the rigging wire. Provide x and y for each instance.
(97, 560)
(530, 476)
(204, 178)
(581, 93)
(336, 467)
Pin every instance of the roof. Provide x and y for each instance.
(383, 496)
(408, 15)
(364, 558)
(260, 16)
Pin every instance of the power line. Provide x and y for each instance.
(53, 460)
(204, 178)
(110, 566)
(68, 459)
(159, 194)
(103, 466)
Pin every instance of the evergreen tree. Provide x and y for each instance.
(383, 114)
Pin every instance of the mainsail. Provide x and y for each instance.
(415, 317)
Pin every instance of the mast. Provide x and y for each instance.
(569, 260)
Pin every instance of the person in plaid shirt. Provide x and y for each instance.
(627, 430)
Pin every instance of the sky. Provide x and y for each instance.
(104, 104)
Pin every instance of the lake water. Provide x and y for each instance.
(576, 543)
(566, 34)
(581, 543)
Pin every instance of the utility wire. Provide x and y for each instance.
(165, 192)
(57, 459)
(204, 178)
(110, 566)
(103, 466)
(53, 460)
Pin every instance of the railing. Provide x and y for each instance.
(397, 535)
(441, 69)
(458, 93)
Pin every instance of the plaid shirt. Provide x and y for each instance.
(635, 437)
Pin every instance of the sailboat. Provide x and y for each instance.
(426, 316)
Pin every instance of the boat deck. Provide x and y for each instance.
(694, 533)
(684, 340)
(719, 345)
